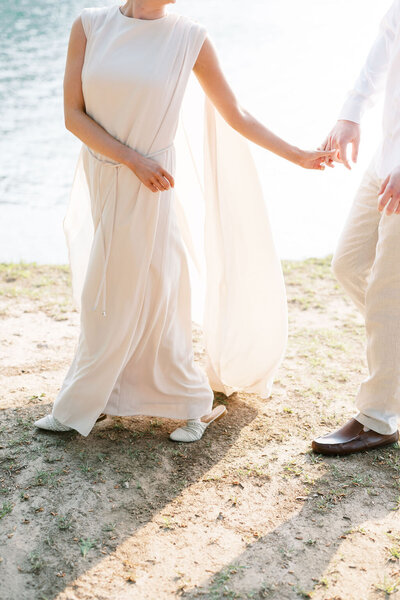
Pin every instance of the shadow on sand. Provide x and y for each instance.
(287, 564)
(74, 500)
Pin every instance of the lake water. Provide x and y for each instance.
(291, 63)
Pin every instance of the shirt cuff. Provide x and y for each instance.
(353, 108)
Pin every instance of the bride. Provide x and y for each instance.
(126, 74)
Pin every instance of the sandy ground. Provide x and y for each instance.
(247, 512)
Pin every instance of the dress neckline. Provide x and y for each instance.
(136, 20)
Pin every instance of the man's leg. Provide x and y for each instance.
(378, 399)
(360, 265)
(355, 252)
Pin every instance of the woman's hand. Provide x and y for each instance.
(315, 159)
(150, 173)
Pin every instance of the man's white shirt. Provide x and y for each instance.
(381, 71)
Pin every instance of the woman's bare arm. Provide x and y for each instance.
(212, 79)
(90, 132)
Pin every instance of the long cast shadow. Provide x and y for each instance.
(286, 564)
(72, 500)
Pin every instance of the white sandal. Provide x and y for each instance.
(194, 428)
(50, 423)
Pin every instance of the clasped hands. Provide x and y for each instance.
(347, 133)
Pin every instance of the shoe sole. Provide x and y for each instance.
(217, 418)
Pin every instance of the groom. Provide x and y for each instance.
(367, 259)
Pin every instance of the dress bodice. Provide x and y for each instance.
(135, 73)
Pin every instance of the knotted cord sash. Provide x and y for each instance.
(116, 166)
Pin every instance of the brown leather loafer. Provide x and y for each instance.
(352, 438)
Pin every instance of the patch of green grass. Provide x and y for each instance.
(286, 553)
(396, 504)
(5, 509)
(361, 480)
(24, 424)
(329, 499)
(50, 541)
(49, 458)
(254, 470)
(64, 522)
(395, 552)
(302, 593)
(85, 468)
(36, 562)
(168, 523)
(47, 478)
(86, 544)
(265, 591)
(23, 440)
(388, 586)
(390, 458)
(219, 585)
(38, 398)
(315, 459)
(48, 285)
(101, 457)
(293, 469)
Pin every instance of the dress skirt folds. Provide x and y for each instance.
(132, 251)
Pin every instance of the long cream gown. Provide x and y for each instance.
(129, 262)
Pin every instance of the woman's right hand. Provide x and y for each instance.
(151, 173)
(315, 159)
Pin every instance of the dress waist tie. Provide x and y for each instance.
(115, 166)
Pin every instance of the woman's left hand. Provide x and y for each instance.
(315, 159)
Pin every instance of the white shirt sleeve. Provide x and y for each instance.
(371, 80)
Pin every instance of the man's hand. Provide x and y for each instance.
(343, 134)
(390, 192)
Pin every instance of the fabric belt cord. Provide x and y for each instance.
(107, 251)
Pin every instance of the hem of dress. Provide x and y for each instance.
(174, 417)
(158, 415)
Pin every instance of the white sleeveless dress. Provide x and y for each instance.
(128, 260)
